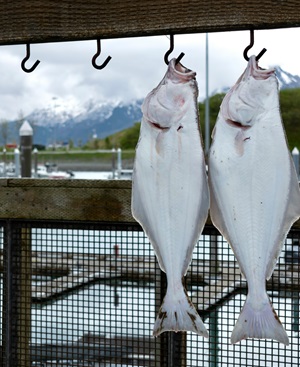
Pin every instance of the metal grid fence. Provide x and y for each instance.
(86, 294)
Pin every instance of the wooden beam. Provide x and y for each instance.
(79, 200)
(38, 21)
(74, 200)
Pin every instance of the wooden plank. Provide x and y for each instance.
(123, 349)
(78, 183)
(77, 200)
(63, 285)
(285, 278)
(70, 20)
(140, 344)
(215, 293)
(77, 351)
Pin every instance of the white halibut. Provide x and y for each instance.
(254, 190)
(170, 196)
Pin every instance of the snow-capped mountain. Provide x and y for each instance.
(57, 111)
(285, 79)
(65, 120)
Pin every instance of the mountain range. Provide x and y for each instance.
(63, 120)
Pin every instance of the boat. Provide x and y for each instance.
(50, 171)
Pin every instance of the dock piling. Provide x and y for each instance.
(26, 134)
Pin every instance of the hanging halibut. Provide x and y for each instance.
(170, 196)
(254, 190)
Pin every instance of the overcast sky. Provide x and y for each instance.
(137, 66)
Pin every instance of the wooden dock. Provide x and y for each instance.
(229, 282)
(60, 273)
(72, 271)
(127, 349)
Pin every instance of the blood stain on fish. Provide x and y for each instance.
(158, 126)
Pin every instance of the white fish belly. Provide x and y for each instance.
(170, 193)
(252, 193)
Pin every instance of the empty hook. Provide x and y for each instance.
(170, 51)
(24, 68)
(250, 46)
(99, 67)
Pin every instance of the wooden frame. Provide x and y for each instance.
(37, 21)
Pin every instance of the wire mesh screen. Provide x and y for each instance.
(222, 298)
(87, 295)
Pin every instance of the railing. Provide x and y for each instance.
(81, 285)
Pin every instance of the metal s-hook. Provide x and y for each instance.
(250, 46)
(24, 68)
(171, 50)
(99, 67)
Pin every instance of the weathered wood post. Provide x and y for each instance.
(213, 318)
(24, 333)
(213, 256)
(16, 318)
(26, 133)
(295, 311)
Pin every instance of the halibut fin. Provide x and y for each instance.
(178, 315)
(263, 324)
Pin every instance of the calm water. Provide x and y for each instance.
(92, 175)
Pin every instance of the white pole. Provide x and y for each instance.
(35, 161)
(4, 162)
(26, 134)
(119, 162)
(295, 154)
(17, 163)
(207, 132)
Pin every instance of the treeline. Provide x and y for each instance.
(290, 111)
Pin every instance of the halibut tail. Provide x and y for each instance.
(261, 324)
(178, 314)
